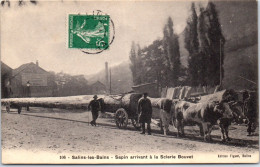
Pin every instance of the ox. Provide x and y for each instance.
(204, 114)
(178, 110)
(238, 117)
(165, 114)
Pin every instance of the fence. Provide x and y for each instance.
(182, 92)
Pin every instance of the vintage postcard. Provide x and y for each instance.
(129, 82)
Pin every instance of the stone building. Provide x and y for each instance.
(41, 83)
(98, 88)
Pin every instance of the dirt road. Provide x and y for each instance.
(61, 131)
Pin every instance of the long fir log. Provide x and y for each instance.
(110, 103)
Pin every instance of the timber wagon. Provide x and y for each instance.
(126, 110)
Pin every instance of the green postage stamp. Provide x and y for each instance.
(89, 31)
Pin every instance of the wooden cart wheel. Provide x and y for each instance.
(121, 118)
(135, 123)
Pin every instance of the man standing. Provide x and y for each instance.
(95, 107)
(251, 106)
(145, 113)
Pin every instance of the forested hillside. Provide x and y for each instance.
(238, 20)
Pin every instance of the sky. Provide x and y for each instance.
(31, 33)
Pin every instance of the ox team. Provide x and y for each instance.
(184, 113)
(206, 114)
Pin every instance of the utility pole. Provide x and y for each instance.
(110, 81)
(220, 64)
(106, 75)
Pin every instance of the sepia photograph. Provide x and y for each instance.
(129, 82)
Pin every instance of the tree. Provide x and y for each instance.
(154, 63)
(216, 41)
(172, 53)
(192, 45)
(140, 64)
(204, 49)
(133, 65)
(191, 32)
(177, 61)
(211, 44)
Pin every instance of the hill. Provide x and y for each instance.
(238, 20)
(121, 78)
(239, 26)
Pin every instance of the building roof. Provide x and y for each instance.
(5, 69)
(98, 83)
(29, 68)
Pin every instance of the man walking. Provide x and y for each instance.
(94, 105)
(145, 113)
